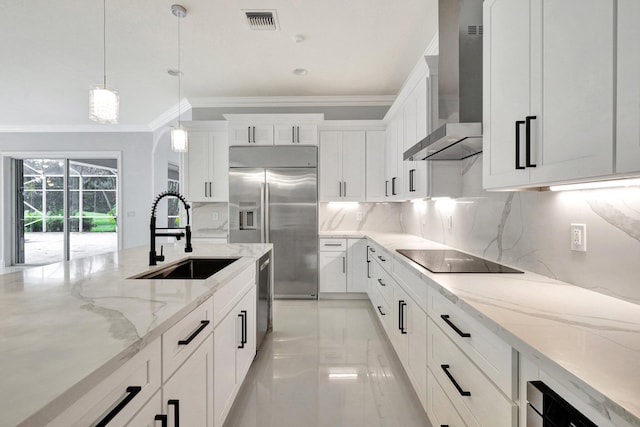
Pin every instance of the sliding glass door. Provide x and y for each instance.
(65, 209)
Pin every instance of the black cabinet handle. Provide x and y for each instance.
(205, 189)
(445, 368)
(393, 186)
(243, 338)
(372, 249)
(203, 324)
(445, 317)
(293, 134)
(368, 269)
(381, 312)
(518, 123)
(401, 306)
(381, 282)
(345, 188)
(249, 134)
(163, 420)
(254, 134)
(176, 412)
(528, 141)
(340, 186)
(381, 258)
(132, 391)
(411, 180)
(386, 189)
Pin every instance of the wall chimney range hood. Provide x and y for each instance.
(459, 134)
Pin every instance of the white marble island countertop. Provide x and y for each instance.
(65, 326)
(590, 339)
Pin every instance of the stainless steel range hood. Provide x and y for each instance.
(459, 85)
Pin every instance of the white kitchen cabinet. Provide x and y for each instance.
(393, 168)
(548, 92)
(628, 90)
(234, 348)
(332, 274)
(188, 398)
(250, 133)
(342, 166)
(132, 385)
(206, 166)
(150, 413)
(440, 410)
(375, 179)
(356, 265)
(295, 133)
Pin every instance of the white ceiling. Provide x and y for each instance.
(52, 52)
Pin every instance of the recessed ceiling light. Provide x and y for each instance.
(300, 72)
(298, 38)
(174, 72)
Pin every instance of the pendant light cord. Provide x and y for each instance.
(179, 72)
(104, 42)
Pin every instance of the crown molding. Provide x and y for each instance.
(434, 46)
(170, 115)
(74, 128)
(293, 101)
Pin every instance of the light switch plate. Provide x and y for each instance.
(579, 237)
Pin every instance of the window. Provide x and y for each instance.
(173, 204)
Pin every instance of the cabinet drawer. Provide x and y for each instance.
(333, 245)
(457, 375)
(383, 310)
(495, 357)
(142, 370)
(226, 297)
(439, 408)
(411, 281)
(184, 337)
(385, 284)
(382, 258)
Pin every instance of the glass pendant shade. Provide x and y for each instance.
(104, 105)
(179, 140)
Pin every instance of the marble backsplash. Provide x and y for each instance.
(210, 219)
(352, 216)
(530, 230)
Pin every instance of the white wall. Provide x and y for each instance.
(136, 175)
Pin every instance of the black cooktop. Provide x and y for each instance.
(452, 261)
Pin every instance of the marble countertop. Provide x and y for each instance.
(65, 326)
(341, 234)
(591, 339)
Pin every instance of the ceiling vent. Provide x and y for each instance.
(261, 19)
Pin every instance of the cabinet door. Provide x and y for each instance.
(572, 90)
(189, 391)
(391, 159)
(240, 134)
(330, 168)
(285, 134)
(262, 134)
(219, 167)
(357, 265)
(307, 134)
(197, 167)
(375, 166)
(333, 271)
(417, 345)
(399, 335)
(628, 125)
(506, 67)
(225, 341)
(246, 351)
(353, 166)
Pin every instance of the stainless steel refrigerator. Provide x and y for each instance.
(273, 198)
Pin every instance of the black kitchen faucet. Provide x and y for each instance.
(153, 257)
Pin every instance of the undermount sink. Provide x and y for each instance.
(190, 268)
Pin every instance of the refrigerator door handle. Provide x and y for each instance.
(267, 222)
(262, 213)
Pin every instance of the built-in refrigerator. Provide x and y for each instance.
(273, 194)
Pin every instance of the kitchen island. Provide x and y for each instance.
(67, 326)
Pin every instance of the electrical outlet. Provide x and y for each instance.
(216, 216)
(579, 237)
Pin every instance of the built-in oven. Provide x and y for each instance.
(545, 408)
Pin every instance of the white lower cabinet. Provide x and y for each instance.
(332, 272)
(233, 351)
(188, 398)
(357, 265)
(342, 266)
(439, 408)
(150, 413)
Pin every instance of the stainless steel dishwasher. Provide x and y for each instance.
(263, 303)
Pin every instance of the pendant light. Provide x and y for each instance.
(179, 137)
(104, 102)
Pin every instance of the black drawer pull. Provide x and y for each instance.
(243, 337)
(333, 244)
(445, 317)
(176, 413)
(381, 258)
(445, 368)
(401, 325)
(203, 324)
(518, 123)
(163, 420)
(528, 142)
(380, 310)
(381, 282)
(132, 392)
(372, 249)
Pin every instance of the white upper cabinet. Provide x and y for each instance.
(294, 133)
(628, 126)
(342, 166)
(375, 166)
(250, 133)
(273, 129)
(206, 165)
(548, 91)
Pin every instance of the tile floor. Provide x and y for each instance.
(327, 363)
